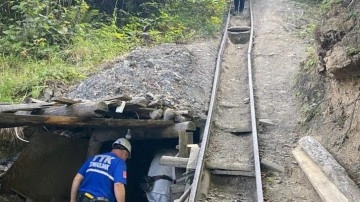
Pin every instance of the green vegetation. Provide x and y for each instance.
(353, 50)
(328, 4)
(311, 60)
(44, 41)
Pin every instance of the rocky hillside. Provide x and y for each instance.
(331, 91)
(339, 41)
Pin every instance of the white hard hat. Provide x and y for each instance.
(123, 142)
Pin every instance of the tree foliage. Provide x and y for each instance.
(37, 28)
(45, 40)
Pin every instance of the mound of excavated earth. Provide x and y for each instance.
(179, 76)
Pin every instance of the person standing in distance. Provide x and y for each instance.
(103, 177)
(238, 6)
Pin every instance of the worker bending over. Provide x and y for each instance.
(103, 177)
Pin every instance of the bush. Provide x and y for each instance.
(42, 41)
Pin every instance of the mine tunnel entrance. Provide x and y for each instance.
(46, 166)
(143, 152)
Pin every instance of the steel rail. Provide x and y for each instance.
(205, 139)
(259, 190)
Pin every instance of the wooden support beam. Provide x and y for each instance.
(190, 138)
(204, 185)
(117, 97)
(108, 134)
(326, 189)
(63, 100)
(217, 165)
(336, 173)
(193, 157)
(183, 142)
(186, 113)
(186, 126)
(173, 161)
(180, 162)
(233, 172)
(86, 110)
(23, 107)
(33, 100)
(11, 120)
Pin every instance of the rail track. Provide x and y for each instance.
(228, 167)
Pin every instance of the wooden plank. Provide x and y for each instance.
(237, 130)
(121, 107)
(186, 113)
(233, 172)
(173, 161)
(23, 107)
(193, 157)
(326, 189)
(189, 146)
(111, 134)
(141, 113)
(117, 97)
(336, 173)
(183, 142)
(33, 100)
(218, 165)
(190, 137)
(63, 100)
(186, 126)
(11, 120)
(86, 110)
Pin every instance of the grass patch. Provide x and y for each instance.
(23, 74)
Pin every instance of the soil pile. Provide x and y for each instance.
(179, 75)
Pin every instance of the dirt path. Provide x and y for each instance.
(277, 55)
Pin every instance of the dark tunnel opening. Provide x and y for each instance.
(143, 152)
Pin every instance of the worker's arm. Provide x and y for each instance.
(75, 187)
(119, 190)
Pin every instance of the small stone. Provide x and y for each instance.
(149, 96)
(154, 104)
(157, 114)
(169, 114)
